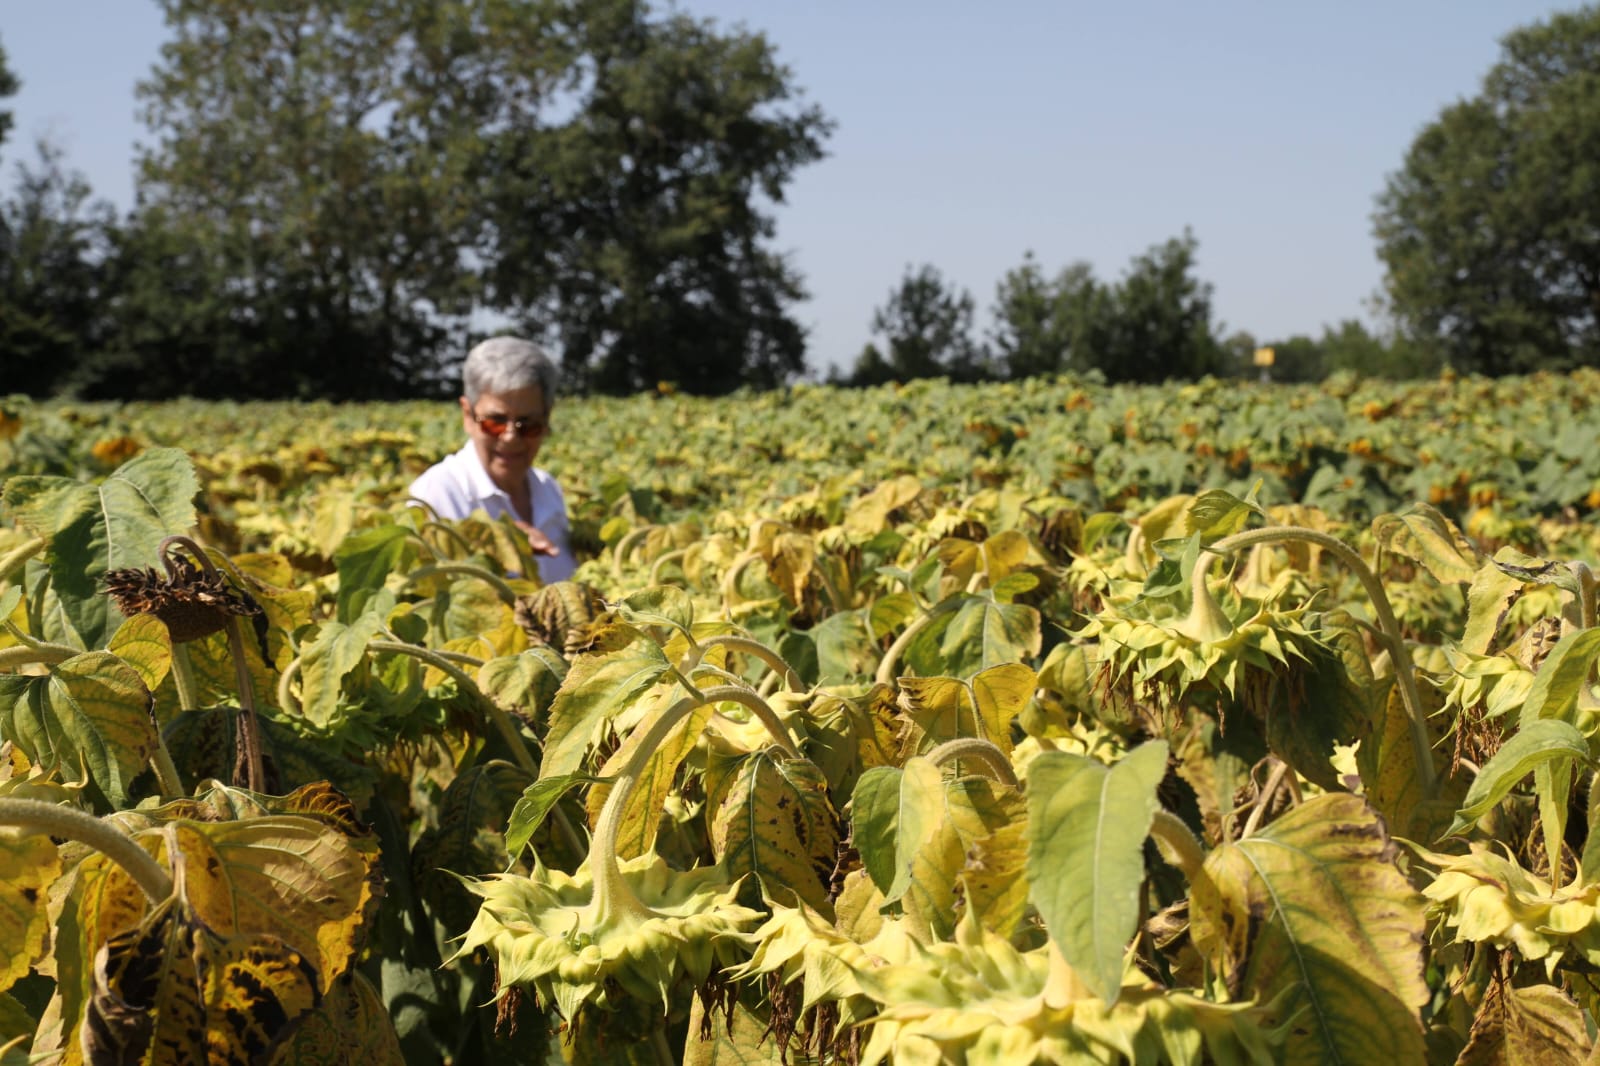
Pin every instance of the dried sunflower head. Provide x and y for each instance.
(562, 615)
(192, 602)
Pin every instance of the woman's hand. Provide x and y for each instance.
(541, 544)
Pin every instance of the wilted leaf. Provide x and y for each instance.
(117, 524)
(175, 990)
(1532, 746)
(525, 683)
(1533, 1026)
(773, 819)
(351, 1026)
(596, 687)
(636, 832)
(142, 642)
(536, 802)
(1561, 677)
(337, 650)
(1087, 824)
(28, 866)
(90, 713)
(1422, 534)
(1313, 908)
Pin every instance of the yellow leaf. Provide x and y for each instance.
(142, 642)
(28, 866)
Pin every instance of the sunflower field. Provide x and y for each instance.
(1034, 722)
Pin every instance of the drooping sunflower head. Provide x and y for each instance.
(192, 602)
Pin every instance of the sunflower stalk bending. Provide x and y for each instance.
(70, 823)
(1388, 626)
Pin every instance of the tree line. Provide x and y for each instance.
(338, 197)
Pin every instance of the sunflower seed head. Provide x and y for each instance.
(191, 602)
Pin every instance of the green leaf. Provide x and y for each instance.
(1217, 513)
(365, 560)
(468, 840)
(538, 799)
(1422, 534)
(846, 650)
(90, 713)
(875, 822)
(596, 687)
(773, 819)
(981, 632)
(117, 524)
(337, 650)
(1087, 824)
(1313, 909)
(1532, 746)
(525, 683)
(1561, 677)
(659, 605)
(918, 819)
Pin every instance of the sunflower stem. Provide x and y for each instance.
(72, 824)
(1177, 844)
(14, 558)
(1388, 628)
(986, 752)
(507, 594)
(46, 654)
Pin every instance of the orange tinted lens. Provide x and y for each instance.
(494, 425)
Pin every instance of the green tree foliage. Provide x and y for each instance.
(8, 87)
(637, 232)
(926, 325)
(53, 273)
(1152, 325)
(365, 177)
(1491, 228)
(1046, 325)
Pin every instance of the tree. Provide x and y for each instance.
(54, 245)
(926, 325)
(1044, 325)
(636, 233)
(371, 177)
(1490, 230)
(8, 87)
(1155, 324)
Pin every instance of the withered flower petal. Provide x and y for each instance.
(192, 603)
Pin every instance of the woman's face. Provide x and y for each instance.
(520, 417)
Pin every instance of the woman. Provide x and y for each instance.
(509, 386)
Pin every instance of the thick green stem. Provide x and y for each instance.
(674, 556)
(985, 752)
(756, 650)
(14, 558)
(1586, 594)
(611, 891)
(497, 717)
(25, 654)
(747, 697)
(1177, 844)
(625, 545)
(890, 662)
(1389, 629)
(507, 594)
(72, 824)
(1205, 621)
(461, 542)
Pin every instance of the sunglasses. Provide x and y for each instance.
(496, 425)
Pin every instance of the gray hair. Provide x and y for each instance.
(503, 364)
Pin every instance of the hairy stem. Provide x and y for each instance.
(446, 662)
(662, 561)
(1389, 629)
(759, 651)
(1177, 844)
(72, 824)
(507, 594)
(985, 752)
(40, 652)
(890, 663)
(625, 545)
(13, 559)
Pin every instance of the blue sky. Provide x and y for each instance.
(968, 134)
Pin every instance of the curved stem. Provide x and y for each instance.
(985, 752)
(449, 531)
(287, 700)
(747, 697)
(72, 824)
(625, 545)
(1389, 628)
(14, 558)
(891, 658)
(507, 594)
(1586, 594)
(730, 577)
(611, 891)
(46, 654)
(756, 650)
(1177, 844)
(674, 556)
(1264, 800)
(497, 717)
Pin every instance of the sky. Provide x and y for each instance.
(967, 135)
